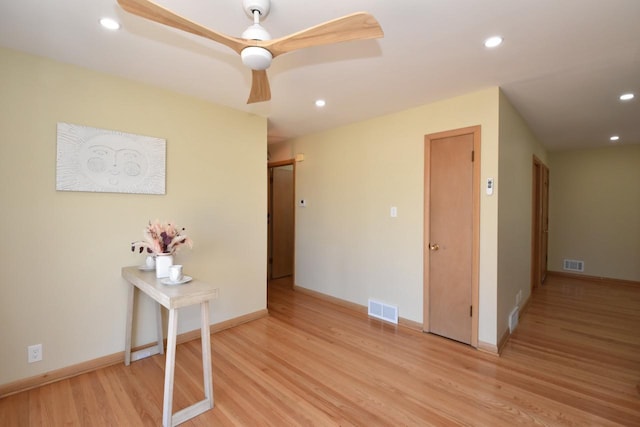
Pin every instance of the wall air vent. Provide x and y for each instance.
(383, 311)
(513, 319)
(573, 265)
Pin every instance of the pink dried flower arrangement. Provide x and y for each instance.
(162, 238)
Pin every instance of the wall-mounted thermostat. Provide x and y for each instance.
(490, 185)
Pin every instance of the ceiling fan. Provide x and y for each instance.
(255, 46)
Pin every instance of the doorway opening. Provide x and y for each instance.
(281, 220)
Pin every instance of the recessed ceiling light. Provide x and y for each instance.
(493, 41)
(614, 138)
(626, 97)
(109, 24)
(321, 103)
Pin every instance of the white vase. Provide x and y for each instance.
(163, 261)
(150, 262)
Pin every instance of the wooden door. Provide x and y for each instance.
(539, 223)
(451, 234)
(281, 221)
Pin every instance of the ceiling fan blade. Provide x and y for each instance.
(260, 90)
(357, 26)
(154, 12)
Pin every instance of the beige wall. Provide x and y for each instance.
(594, 210)
(517, 148)
(62, 251)
(346, 243)
(279, 151)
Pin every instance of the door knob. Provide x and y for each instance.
(434, 247)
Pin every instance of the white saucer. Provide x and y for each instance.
(145, 268)
(168, 281)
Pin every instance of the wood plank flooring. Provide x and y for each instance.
(574, 360)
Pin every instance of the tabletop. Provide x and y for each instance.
(169, 296)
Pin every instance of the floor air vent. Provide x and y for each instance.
(573, 265)
(383, 311)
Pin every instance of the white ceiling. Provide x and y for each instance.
(563, 63)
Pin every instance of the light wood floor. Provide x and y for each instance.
(574, 360)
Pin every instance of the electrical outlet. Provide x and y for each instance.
(34, 353)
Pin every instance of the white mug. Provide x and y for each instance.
(175, 273)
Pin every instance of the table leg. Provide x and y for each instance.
(129, 326)
(169, 369)
(205, 336)
(159, 328)
(198, 408)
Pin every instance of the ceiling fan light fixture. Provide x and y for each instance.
(256, 58)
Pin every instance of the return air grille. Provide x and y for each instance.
(573, 265)
(383, 311)
(513, 319)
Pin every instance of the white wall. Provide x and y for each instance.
(347, 245)
(594, 210)
(62, 251)
(517, 148)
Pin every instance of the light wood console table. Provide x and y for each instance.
(172, 297)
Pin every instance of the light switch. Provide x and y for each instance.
(394, 212)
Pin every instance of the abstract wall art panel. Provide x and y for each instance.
(100, 160)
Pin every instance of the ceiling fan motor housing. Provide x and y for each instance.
(256, 32)
(262, 6)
